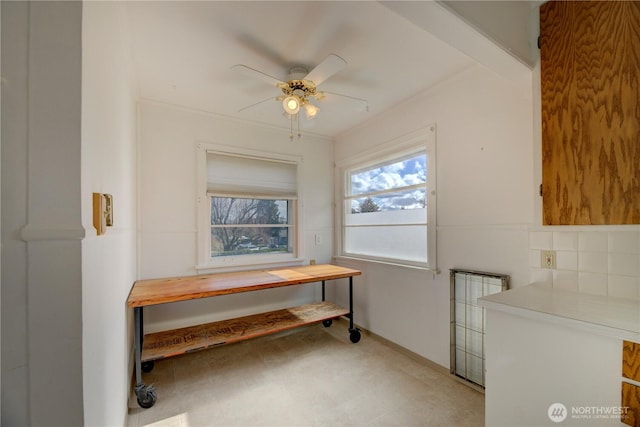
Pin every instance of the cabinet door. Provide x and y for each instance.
(590, 81)
(630, 392)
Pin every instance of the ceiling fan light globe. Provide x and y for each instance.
(291, 105)
(311, 110)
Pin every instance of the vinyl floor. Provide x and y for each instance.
(311, 376)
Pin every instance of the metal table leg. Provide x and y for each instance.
(327, 322)
(354, 333)
(146, 395)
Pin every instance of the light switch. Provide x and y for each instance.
(548, 259)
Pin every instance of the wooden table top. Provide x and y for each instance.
(173, 289)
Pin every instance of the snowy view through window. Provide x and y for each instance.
(386, 213)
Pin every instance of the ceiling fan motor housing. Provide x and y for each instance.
(300, 88)
(298, 73)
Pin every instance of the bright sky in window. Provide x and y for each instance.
(398, 175)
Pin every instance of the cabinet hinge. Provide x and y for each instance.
(538, 42)
(540, 190)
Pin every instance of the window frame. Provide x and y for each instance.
(421, 140)
(205, 262)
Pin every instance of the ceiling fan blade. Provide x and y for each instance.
(257, 103)
(327, 68)
(250, 72)
(358, 103)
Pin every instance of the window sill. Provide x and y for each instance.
(355, 259)
(210, 268)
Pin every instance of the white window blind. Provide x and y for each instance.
(232, 174)
(247, 214)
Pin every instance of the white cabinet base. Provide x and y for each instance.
(532, 364)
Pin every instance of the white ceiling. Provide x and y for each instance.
(183, 54)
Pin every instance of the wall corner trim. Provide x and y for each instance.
(30, 233)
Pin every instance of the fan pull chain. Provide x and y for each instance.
(297, 116)
(291, 133)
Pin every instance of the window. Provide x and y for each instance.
(389, 203)
(249, 226)
(249, 214)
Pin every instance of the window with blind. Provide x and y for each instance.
(249, 211)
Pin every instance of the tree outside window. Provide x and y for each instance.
(242, 226)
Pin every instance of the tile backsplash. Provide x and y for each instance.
(593, 262)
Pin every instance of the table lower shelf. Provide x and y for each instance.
(164, 344)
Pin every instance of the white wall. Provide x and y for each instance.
(42, 229)
(14, 183)
(108, 166)
(484, 202)
(67, 130)
(510, 24)
(167, 206)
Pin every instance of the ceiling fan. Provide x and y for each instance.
(301, 87)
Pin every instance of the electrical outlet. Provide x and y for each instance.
(548, 259)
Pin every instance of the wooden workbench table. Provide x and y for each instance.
(155, 346)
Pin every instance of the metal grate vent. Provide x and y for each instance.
(468, 320)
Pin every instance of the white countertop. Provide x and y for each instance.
(609, 316)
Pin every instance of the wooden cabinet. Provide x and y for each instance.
(590, 88)
(630, 401)
(631, 360)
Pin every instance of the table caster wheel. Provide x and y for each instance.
(326, 323)
(146, 395)
(147, 366)
(354, 335)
